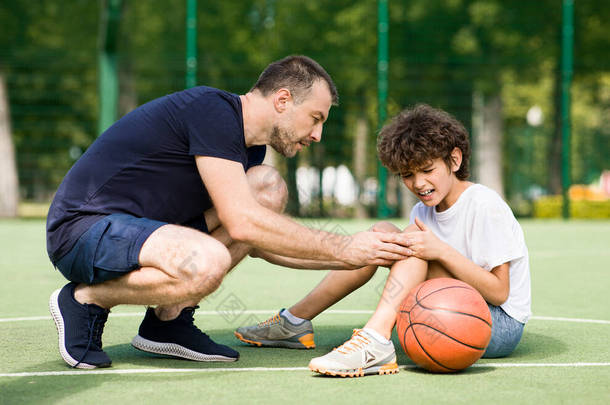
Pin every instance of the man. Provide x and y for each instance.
(173, 195)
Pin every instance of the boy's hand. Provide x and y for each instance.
(424, 243)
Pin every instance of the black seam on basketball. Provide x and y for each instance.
(444, 334)
(455, 312)
(441, 289)
(417, 292)
(428, 354)
(417, 301)
(403, 342)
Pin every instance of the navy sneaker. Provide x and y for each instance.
(179, 338)
(80, 328)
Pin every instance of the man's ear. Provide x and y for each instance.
(281, 99)
(456, 159)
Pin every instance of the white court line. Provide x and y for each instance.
(261, 369)
(272, 311)
(200, 313)
(553, 318)
(570, 253)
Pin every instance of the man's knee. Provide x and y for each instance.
(268, 187)
(203, 270)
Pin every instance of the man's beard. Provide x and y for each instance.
(280, 141)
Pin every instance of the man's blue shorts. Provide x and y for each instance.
(108, 249)
(505, 333)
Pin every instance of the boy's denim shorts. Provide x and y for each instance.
(109, 249)
(505, 333)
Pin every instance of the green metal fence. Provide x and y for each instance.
(454, 54)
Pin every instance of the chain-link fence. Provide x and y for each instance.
(487, 62)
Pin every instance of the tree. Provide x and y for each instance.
(9, 186)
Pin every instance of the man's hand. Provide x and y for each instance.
(371, 248)
(424, 244)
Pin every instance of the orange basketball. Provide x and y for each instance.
(444, 325)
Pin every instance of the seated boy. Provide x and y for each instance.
(458, 229)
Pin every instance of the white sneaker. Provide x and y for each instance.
(361, 355)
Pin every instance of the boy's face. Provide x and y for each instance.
(435, 184)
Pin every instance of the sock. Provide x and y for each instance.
(295, 320)
(376, 335)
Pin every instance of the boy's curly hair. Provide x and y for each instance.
(418, 135)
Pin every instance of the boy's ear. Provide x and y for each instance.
(456, 159)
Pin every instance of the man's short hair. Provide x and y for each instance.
(296, 73)
(420, 134)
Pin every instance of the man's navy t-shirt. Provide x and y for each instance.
(144, 165)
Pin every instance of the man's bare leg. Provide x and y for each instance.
(179, 264)
(270, 190)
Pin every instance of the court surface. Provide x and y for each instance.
(563, 357)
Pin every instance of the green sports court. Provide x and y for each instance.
(562, 358)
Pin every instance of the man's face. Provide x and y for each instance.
(301, 124)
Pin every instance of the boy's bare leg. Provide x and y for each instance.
(337, 284)
(334, 287)
(404, 276)
(367, 352)
(436, 270)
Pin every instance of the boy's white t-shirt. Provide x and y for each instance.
(482, 227)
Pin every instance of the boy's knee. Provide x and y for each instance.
(385, 226)
(437, 270)
(268, 187)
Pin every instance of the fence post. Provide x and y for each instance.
(567, 45)
(383, 211)
(108, 75)
(191, 43)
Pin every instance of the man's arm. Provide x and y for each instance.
(249, 222)
(301, 263)
(293, 263)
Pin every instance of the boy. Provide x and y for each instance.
(458, 229)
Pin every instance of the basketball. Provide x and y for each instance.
(444, 325)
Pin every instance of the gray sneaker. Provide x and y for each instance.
(278, 331)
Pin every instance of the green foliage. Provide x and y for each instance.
(441, 51)
(550, 207)
(51, 82)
